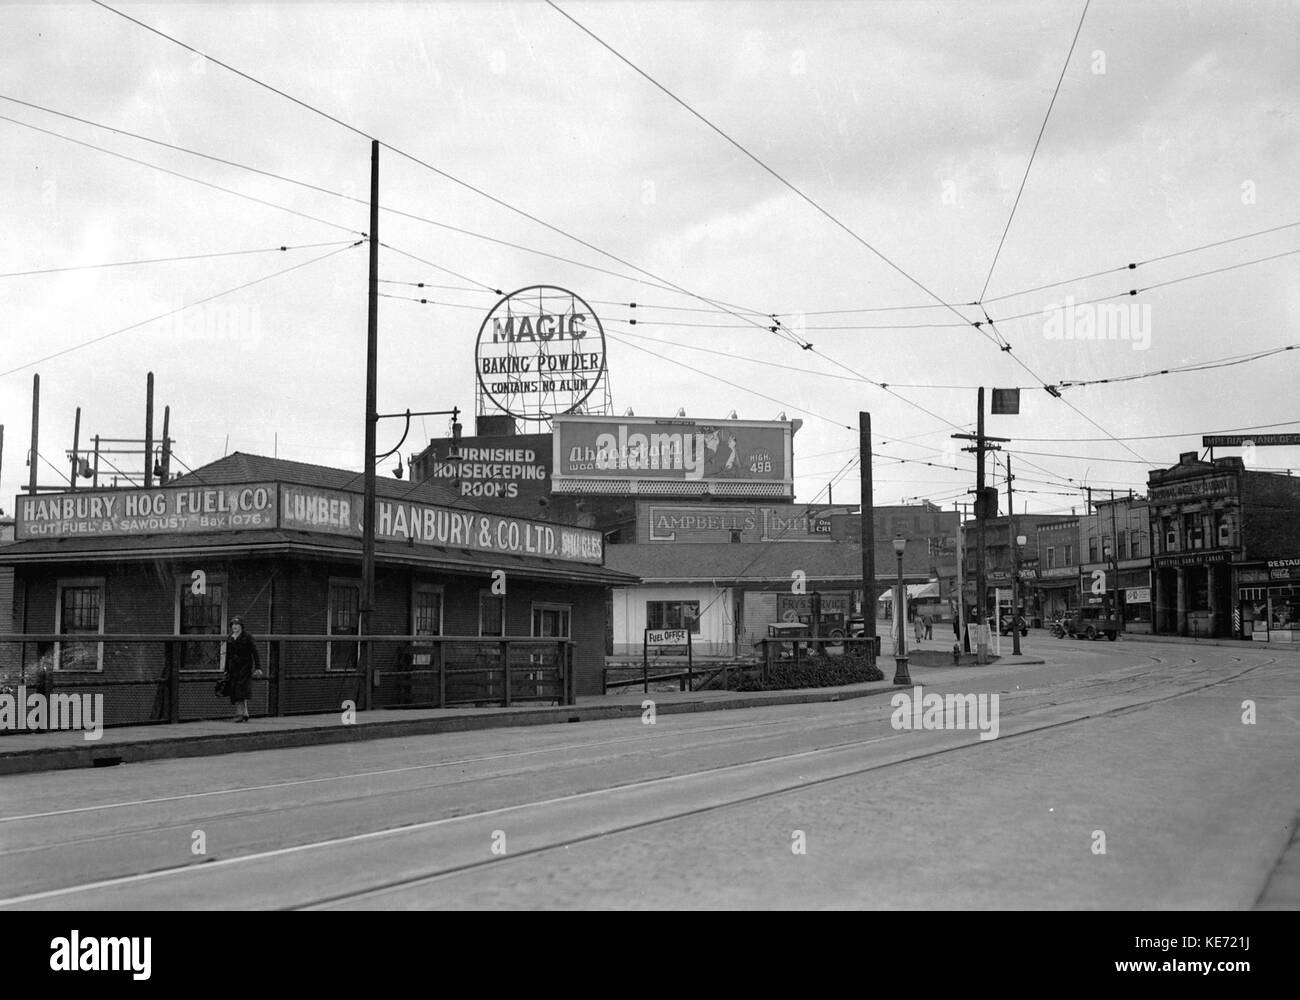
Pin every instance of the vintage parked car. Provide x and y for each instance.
(1090, 623)
(1005, 626)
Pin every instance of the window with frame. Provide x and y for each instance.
(552, 621)
(491, 613)
(1069, 555)
(673, 614)
(79, 611)
(201, 614)
(1051, 557)
(1092, 550)
(343, 617)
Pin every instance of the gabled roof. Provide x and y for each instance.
(244, 468)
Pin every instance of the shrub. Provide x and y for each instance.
(813, 671)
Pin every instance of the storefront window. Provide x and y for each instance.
(1284, 608)
(201, 614)
(673, 614)
(343, 619)
(80, 611)
(552, 620)
(491, 613)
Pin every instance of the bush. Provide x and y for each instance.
(813, 671)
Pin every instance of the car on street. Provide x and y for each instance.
(1005, 625)
(1091, 623)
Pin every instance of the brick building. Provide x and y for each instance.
(1226, 544)
(279, 544)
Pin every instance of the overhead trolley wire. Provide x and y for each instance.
(1029, 166)
(168, 260)
(182, 308)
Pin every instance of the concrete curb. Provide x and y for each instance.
(32, 760)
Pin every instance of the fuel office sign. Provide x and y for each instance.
(540, 351)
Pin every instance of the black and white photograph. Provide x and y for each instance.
(642, 455)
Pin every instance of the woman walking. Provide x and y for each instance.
(242, 665)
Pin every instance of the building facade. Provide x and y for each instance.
(1115, 539)
(279, 544)
(1225, 540)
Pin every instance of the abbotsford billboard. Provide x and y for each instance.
(673, 456)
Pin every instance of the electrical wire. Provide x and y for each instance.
(172, 312)
(168, 260)
(1028, 166)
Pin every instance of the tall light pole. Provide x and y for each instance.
(366, 611)
(900, 647)
(1016, 545)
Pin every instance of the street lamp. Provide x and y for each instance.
(1015, 594)
(900, 644)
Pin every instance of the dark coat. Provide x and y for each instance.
(241, 661)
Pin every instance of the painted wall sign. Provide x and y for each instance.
(1237, 440)
(246, 506)
(1194, 559)
(681, 451)
(1137, 595)
(333, 511)
(162, 511)
(506, 468)
(1213, 486)
(713, 523)
(540, 351)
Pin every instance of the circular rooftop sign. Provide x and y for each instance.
(540, 352)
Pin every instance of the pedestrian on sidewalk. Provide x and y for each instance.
(928, 622)
(242, 665)
(919, 628)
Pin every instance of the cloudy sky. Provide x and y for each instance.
(910, 124)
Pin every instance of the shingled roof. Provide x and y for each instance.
(244, 468)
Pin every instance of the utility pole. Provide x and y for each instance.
(961, 578)
(367, 608)
(867, 514)
(1015, 564)
(1114, 547)
(983, 498)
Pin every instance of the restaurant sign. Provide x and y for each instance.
(163, 511)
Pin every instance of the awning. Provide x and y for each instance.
(914, 591)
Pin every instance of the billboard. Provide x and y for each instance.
(672, 456)
(161, 511)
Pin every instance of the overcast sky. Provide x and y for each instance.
(910, 123)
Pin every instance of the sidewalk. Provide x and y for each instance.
(49, 751)
(1255, 647)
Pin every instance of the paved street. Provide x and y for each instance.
(1141, 742)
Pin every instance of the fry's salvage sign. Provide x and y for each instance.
(146, 512)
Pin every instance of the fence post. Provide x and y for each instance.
(505, 669)
(645, 668)
(173, 682)
(442, 675)
(277, 676)
(690, 663)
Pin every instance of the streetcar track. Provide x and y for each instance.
(409, 881)
(413, 881)
(1083, 688)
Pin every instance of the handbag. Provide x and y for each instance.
(222, 687)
